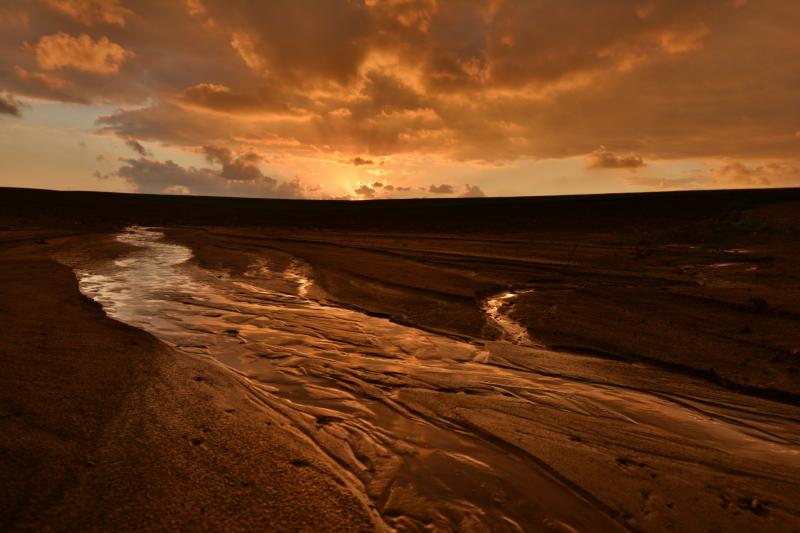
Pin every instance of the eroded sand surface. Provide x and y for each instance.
(476, 435)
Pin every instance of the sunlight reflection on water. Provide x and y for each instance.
(496, 307)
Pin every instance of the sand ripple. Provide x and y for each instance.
(442, 433)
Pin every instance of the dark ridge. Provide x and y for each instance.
(605, 212)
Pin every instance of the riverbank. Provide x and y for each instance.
(106, 428)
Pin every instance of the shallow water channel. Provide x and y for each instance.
(420, 420)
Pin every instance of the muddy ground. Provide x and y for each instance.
(105, 428)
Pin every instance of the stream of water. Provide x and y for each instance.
(400, 409)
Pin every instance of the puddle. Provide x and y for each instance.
(497, 309)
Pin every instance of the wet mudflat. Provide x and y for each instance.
(448, 434)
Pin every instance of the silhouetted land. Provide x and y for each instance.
(626, 212)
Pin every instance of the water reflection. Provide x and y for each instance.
(497, 309)
(416, 417)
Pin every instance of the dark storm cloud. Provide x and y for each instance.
(365, 191)
(137, 147)
(243, 167)
(268, 98)
(218, 97)
(360, 161)
(150, 176)
(380, 190)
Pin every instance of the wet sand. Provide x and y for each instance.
(366, 379)
(652, 448)
(106, 428)
(729, 314)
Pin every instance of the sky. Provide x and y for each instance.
(365, 99)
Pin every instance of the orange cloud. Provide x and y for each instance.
(36, 83)
(484, 83)
(90, 12)
(244, 44)
(731, 174)
(738, 174)
(82, 53)
(196, 7)
(489, 81)
(682, 40)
